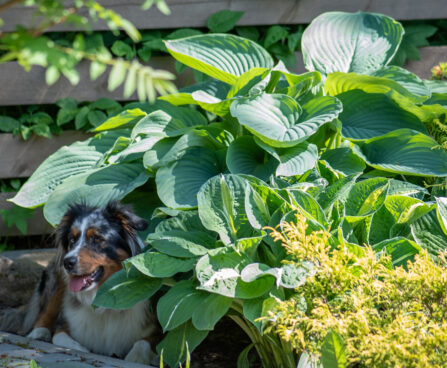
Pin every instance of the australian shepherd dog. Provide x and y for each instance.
(91, 244)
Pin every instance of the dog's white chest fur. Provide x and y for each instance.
(107, 331)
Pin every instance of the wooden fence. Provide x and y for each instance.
(19, 159)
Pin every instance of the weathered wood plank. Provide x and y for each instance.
(25, 88)
(194, 13)
(19, 158)
(37, 224)
(430, 56)
(30, 88)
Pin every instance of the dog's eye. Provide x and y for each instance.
(96, 239)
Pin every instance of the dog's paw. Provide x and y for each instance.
(64, 340)
(40, 333)
(141, 352)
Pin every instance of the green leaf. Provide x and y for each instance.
(164, 124)
(122, 120)
(428, 233)
(182, 220)
(120, 48)
(344, 161)
(210, 311)
(66, 162)
(178, 183)
(410, 81)
(180, 243)
(177, 342)
(257, 211)
(293, 161)
(178, 304)
(221, 204)
(81, 117)
(242, 359)
(245, 157)
(223, 21)
(124, 289)
(105, 104)
(96, 117)
(441, 211)
(308, 205)
(220, 274)
(221, 56)
(288, 276)
(95, 187)
(213, 88)
(333, 351)
(337, 83)
(8, 124)
(358, 42)
(275, 34)
(336, 192)
(117, 75)
(404, 151)
(400, 249)
(280, 121)
(156, 264)
(368, 115)
(366, 197)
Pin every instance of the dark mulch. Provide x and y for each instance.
(222, 347)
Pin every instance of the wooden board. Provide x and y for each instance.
(194, 13)
(30, 88)
(19, 158)
(26, 88)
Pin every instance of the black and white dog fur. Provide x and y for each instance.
(91, 244)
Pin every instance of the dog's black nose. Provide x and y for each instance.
(69, 263)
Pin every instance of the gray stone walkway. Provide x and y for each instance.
(17, 352)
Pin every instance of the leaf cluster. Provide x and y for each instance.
(217, 164)
(355, 305)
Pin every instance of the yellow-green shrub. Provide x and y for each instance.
(387, 317)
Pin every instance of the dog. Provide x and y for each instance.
(91, 244)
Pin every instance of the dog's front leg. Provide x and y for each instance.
(141, 352)
(63, 339)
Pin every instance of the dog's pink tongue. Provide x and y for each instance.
(77, 282)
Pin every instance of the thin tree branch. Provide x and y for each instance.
(8, 4)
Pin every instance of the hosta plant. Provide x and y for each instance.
(347, 144)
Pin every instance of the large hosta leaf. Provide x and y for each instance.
(169, 125)
(221, 274)
(221, 56)
(214, 88)
(178, 342)
(96, 187)
(65, 162)
(244, 156)
(368, 115)
(405, 151)
(358, 42)
(337, 83)
(344, 161)
(221, 207)
(280, 121)
(178, 304)
(124, 289)
(366, 197)
(410, 81)
(428, 233)
(179, 182)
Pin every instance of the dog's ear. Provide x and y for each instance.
(129, 222)
(127, 218)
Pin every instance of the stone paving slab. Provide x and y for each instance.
(17, 351)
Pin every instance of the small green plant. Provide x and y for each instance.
(29, 46)
(355, 305)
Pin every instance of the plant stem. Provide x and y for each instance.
(8, 4)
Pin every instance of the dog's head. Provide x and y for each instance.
(94, 241)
